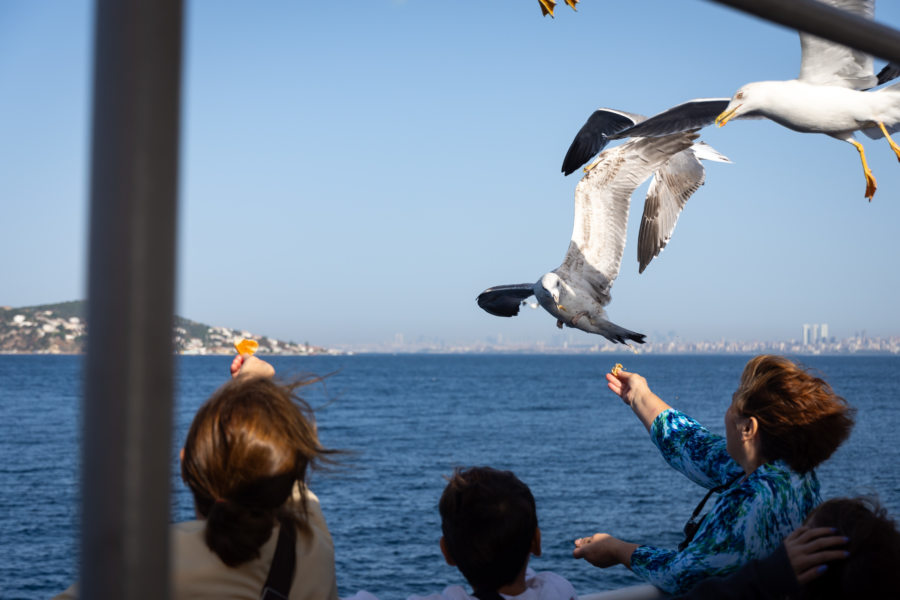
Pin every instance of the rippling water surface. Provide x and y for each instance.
(410, 419)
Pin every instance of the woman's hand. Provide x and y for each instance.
(603, 550)
(628, 386)
(634, 391)
(809, 549)
(245, 365)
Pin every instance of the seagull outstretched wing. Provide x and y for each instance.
(671, 187)
(602, 200)
(504, 300)
(824, 62)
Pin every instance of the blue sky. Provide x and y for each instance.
(368, 167)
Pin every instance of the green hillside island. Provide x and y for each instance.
(61, 329)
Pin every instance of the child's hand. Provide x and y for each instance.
(245, 365)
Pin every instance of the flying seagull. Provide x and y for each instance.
(547, 6)
(831, 96)
(673, 183)
(576, 291)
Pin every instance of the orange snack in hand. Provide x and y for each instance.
(247, 347)
(616, 369)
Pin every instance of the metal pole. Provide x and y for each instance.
(126, 447)
(826, 22)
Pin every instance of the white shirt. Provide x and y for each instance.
(545, 585)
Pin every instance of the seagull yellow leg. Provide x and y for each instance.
(547, 7)
(870, 179)
(572, 3)
(887, 136)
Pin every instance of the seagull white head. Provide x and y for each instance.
(551, 283)
(744, 101)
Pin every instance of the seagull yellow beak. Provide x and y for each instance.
(561, 307)
(726, 116)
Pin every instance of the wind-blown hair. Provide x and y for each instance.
(248, 446)
(488, 518)
(801, 419)
(871, 569)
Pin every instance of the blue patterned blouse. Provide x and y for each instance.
(748, 520)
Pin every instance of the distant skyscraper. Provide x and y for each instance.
(814, 333)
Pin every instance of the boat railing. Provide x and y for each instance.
(634, 592)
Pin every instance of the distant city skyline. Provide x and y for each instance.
(352, 170)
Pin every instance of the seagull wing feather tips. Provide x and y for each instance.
(504, 300)
(595, 134)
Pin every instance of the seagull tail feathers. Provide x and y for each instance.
(615, 333)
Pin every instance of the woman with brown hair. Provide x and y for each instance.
(782, 422)
(260, 532)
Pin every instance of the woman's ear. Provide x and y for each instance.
(749, 428)
(446, 553)
(181, 454)
(536, 542)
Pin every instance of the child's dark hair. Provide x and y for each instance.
(488, 518)
(870, 571)
(248, 446)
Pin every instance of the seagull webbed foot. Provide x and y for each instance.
(871, 186)
(559, 324)
(547, 7)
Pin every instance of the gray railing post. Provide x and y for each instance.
(826, 22)
(127, 413)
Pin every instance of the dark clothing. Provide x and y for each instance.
(761, 579)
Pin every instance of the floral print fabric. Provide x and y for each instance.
(748, 520)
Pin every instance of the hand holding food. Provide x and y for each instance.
(246, 347)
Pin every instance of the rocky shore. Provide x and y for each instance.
(61, 329)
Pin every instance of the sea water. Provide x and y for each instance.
(409, 420)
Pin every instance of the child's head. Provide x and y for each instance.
(489, 522)
(247, 446)
(874, 546)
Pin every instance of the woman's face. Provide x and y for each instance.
(732, 434)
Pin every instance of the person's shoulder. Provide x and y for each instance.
(776, 476)
(187, 538)
(550, 585)
(453, 592)
(772, 481)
